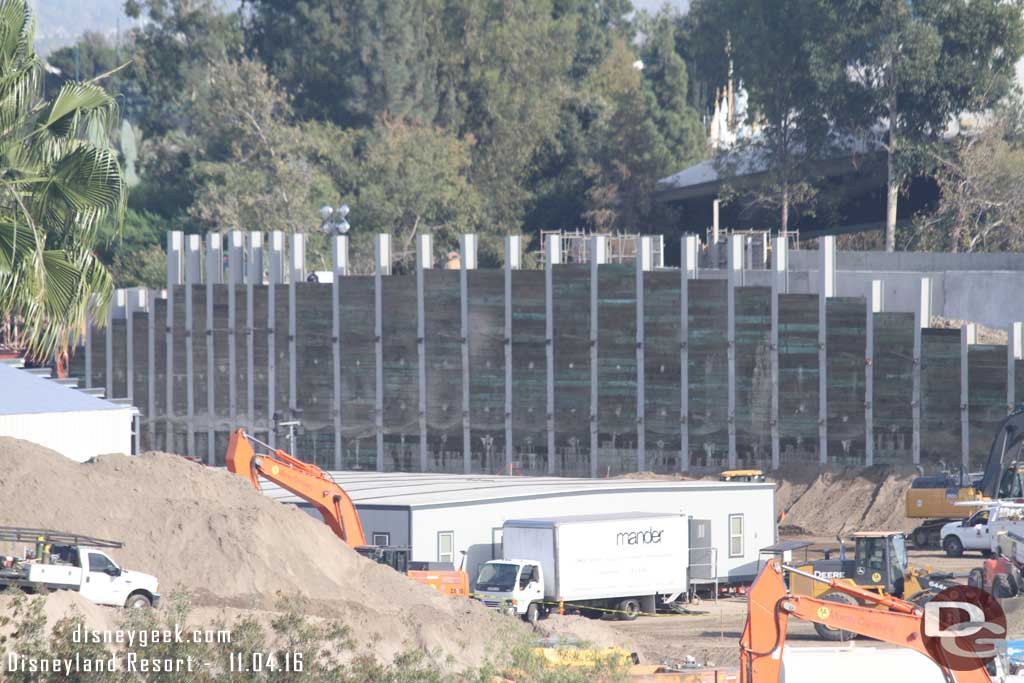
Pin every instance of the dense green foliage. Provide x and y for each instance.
(444, 116)
(60, 181)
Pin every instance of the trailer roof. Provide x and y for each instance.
(549, 522)
(25, 392)
(426, 490)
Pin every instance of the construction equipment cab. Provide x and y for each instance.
(64, 561)
(309, 482)
(938, 498)
(878, 565)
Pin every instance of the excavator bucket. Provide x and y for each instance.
(239, 457)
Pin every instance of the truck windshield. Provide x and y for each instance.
(497, 576)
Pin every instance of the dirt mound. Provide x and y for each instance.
(985, 335)
(836, 500)
(210, 532)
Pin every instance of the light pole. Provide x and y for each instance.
(332, 220)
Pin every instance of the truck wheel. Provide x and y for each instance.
(532, 615)
(138, 601)
(1001, 587)
(976, 578)
(836, 634)
(629, 609)
(953, 546)
(921, 537)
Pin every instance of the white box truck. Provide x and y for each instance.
(621, 563)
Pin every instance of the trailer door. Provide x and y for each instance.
(702, 561)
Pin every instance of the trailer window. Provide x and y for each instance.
(446, 546)
(381, 538)
(735, 535)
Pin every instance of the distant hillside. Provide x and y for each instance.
(61, 22)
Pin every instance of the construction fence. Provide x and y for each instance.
(576, 369)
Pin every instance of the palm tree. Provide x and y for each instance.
(59, 179)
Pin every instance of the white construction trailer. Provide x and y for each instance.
(459, 518)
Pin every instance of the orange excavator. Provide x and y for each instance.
(771, 604)
(309, 482)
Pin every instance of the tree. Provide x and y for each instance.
(914, 66)
(981, 207)
(777, 50)
(60, 182)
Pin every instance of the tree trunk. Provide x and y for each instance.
(784, 225)
(892, 180)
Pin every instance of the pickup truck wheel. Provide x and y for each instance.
(953, 546)
(629, 609)
(138, 601)
(835, 634)
(532, 615)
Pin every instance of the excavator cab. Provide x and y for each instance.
(396, 558)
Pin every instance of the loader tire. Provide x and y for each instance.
(836, 634)
(629, 609)
(1002, 588)
(976, 578)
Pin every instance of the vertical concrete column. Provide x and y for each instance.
(135, 300)
(151, 332)
(715, 234)
(1014, 355)
(690, 261)
(297, 274)
(513, 261)
(827, 288)
(425, 261)
(339, 267)
(968, 337)
(214, 276)
(780, 275)
(922, 319)
(236, 269)
(175, 247)
(658, 260)
(552, 257)
(598, 256)
(275, 276)
(875, 304)
(644, 263)
(116, 311)
(734, 265)
(253, 277)
(192, 278)
(688, 271)
(467, 262)
(382, 267)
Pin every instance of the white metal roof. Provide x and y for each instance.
(24, 392)
(422, 490)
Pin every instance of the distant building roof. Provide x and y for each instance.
(414, 490)
(24, 392)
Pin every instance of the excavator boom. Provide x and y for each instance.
(770, 605)
(303, 479)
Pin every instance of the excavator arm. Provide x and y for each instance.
(770, 605)
(1006, 441)
(303, 479)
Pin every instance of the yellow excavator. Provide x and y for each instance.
(935, 497)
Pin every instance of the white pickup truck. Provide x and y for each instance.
(76, 564)
(978, 532)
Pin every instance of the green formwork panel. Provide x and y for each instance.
(401, 374)
(179, 375)
(157, 423)
(708, 364)
(98, 355)
(986, 398)
(571, 300)
(358, 373)
(529, 373)
(753, 376)
(314, 369)
(443, 345)
(798, 379)
(845, 349)
(616, 369)
(487, 369)
(200, 373)
(1019, 372)
(76, 362)
(260, 361)
(241, 377)
(893, 362)
(142, 370)
(222, 362)
(662, 395)
(940, 396)
(282, 395)
(119, 360)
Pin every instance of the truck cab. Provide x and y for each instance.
(972, 533)
(512, 586)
